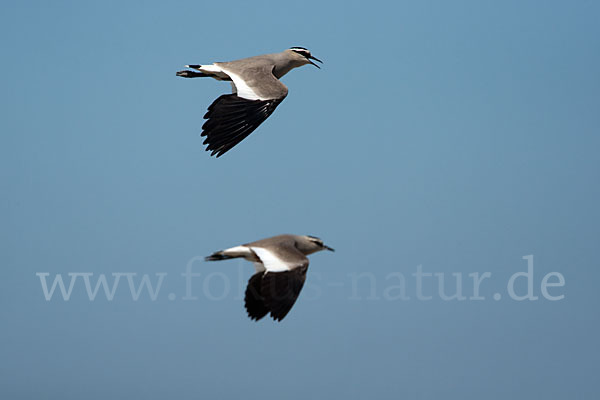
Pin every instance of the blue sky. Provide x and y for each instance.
(456, 136)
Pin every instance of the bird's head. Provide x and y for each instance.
(311, 244)
(302, 56)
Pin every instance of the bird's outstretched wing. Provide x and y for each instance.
(274, 292)
(231, 118)
(276, 289)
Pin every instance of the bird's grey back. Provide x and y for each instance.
(274, 241)
(281, 63)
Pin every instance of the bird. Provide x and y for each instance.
(281, 264)
(256, 93)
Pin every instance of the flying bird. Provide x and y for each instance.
(257, 91)
(281, 265)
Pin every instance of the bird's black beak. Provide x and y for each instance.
(316, 59)
(328, 248)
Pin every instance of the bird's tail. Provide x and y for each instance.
(212, 71)
(191, 74)
(227, 254)
(218, 256)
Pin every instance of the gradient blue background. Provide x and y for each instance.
(460, 136)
